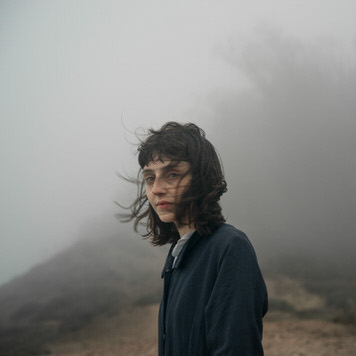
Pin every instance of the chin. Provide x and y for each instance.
(166, 219)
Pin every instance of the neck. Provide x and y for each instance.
(184, 229)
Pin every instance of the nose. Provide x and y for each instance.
(158, 187)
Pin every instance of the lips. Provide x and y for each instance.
(164, 204)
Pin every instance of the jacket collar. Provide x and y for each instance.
(169, 261)
(188, 246)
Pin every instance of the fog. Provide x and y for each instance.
(290, 156)
(271, 83)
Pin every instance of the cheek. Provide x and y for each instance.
(148, 194)
(179, 192)
(183, 187)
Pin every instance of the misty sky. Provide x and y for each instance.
(79, 77)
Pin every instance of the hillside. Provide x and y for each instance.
(133, 331)
(105, 291)
(93, 278)
(134, 334)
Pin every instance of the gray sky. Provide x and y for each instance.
(79, 77)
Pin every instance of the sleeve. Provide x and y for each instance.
(237, 303)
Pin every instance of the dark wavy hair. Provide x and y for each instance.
(200, 201)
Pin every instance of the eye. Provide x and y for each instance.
(149, 179)
(173, 175)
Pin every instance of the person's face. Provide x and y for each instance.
(166, 181)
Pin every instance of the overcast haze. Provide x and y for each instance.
(291, 158)
(78, 78)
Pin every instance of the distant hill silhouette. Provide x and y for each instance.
(92, 278)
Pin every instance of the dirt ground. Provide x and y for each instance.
(134, 334)
(308, 338)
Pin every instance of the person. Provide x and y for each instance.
(214, 295)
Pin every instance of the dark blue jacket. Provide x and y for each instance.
(214, 299)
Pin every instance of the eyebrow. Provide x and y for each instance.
(165, 168)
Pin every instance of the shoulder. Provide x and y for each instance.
(228, 229)
(230, 241)
(227, 234)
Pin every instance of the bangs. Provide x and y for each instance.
(174, 141)
(174, 152)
